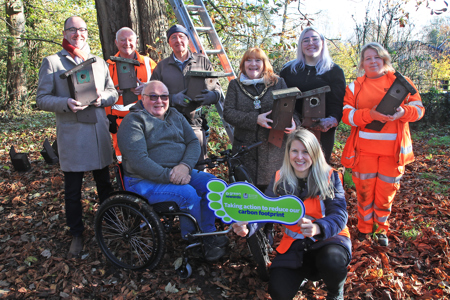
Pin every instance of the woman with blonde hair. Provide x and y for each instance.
(248, 105)
(314, 68)
(319, 245)
(377, 158)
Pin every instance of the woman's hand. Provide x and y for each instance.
(240, 228)
(377, 116)
(400, 113)
(292, 128)
(263, 120)
(309, 229)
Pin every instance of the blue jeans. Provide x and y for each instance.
(190, 198)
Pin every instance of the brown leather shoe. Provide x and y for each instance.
(76, 246)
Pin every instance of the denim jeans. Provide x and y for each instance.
(190, 198)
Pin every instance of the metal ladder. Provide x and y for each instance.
(182, 12)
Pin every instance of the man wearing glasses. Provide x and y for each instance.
(82, 146)
(159, 152)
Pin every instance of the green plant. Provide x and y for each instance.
(348, 178)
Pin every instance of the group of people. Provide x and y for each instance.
(159, 142)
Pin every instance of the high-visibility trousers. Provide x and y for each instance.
(377, 180)
(114, 139)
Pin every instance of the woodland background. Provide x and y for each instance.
(33, 235)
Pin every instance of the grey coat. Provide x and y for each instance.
(81, 146)
(239, 111)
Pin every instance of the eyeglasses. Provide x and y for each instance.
(313, 39)
(74, 29)
(154, 97)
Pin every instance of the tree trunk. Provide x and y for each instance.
(146, 17)
(15, 78)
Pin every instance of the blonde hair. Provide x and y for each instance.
(325, 62)
(270, 78)
(319, 173)
(384, 55)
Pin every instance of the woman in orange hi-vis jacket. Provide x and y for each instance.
(377, 158)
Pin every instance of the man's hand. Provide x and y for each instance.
(400, 113)
(309, 229)
(181, 99)
(98, 101)
(119, 91)
(207, 97)
(74, 105)
(290, 129)
(377, 116)
(138, 90)
(325, 124)
(263, 121)
(240, 228)
(180, 174)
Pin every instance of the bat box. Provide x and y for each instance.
(283, 107)
(55, 147)
(49, 153)
(81, 82)
(313, 105)
(197, 81)
(19, 160)
(398, 91)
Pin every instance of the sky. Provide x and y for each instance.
(335, 19)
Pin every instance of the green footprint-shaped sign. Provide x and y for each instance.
(241, 201)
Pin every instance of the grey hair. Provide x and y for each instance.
(125, 29)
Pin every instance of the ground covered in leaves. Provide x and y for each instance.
(34, 239)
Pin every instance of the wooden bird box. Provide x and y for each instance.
(283, 107)
(19, 160)
(127, 76)
(49, 153)
(398, 91)
(313, 105)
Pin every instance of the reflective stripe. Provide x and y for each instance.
(389, 179)
(406, 150)
(367, 207)
(382, 209)
(351, 114)
(377, 136)
(322, 207)
(380, 219)
(366, 218)
(364, 176)
(293, 234)
(418, 105)
(147, 66)
(351, 87)
(121, 107)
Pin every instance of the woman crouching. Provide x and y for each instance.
(319, 246)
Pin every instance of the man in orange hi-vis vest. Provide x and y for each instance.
(377, 158)
(126, 43)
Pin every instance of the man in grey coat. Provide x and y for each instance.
(172, 70)
(81, 146)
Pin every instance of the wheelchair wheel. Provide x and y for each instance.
(129, 232)
(259, 247)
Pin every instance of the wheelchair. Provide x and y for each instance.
(131, 233)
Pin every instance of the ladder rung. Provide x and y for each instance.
(218, 51)
(203, 29)
(193, 7)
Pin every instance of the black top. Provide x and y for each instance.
(307, 79)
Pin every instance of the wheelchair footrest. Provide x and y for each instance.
(165, 207)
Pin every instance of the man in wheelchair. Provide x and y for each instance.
(160, 150)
